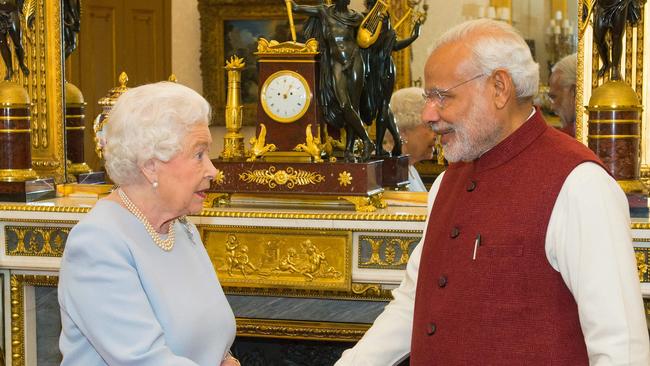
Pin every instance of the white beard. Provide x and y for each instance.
(473, 137)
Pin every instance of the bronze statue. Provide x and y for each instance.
(71, 25)
(612, 15)
(341, 69)
(10, 13)
(380, 80)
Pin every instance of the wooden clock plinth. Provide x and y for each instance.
(322, 179)
(395, 171)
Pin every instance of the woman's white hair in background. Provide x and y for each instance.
(497, 45)
(407, 105)
(150, 121)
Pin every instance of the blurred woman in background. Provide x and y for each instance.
(418, 140)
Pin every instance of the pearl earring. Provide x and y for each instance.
(154, 184)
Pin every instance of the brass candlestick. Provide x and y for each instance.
(233, 141)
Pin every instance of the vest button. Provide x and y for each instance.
(454, 233)
(442, 281)
(431, 329)
(471, 186)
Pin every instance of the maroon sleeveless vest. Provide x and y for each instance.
(504, 305)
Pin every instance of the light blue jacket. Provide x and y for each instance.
(125, 301)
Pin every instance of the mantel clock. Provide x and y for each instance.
(288, 75)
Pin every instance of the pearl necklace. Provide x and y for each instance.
(166, 244)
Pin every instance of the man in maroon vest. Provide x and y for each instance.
(527, 256)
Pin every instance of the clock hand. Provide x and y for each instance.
(288, 90)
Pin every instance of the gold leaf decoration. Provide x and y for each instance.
(345, 179)
(219, 177)
(290, 177)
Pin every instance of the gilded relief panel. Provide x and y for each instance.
(38, 241)
(279, 258)
(386, 252)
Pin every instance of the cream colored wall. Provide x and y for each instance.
(186, 43)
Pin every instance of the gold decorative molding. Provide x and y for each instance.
(273, 47)
(280, 257)
(39, 221)
(35, 241)
(358, 291)
(290, 177)
(291, 329)
(45, 86)
(354, 216)
(580, 77)
(643, 263)
(367, 289)
(640, 226)
(36, 208)
(17, 295)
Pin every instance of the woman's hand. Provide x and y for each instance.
(230, 360)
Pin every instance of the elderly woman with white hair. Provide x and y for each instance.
(418, 140)
(136, 285)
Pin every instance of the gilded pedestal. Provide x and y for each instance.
(615, 136)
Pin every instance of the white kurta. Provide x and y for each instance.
(589, 242)
(125, 301)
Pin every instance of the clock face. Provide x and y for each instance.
(285, 96)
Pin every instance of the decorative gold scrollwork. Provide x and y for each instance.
(366, 289)
(35, 241)
(361, 203)
(384, 250)
(290, 177)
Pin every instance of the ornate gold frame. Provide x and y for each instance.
(17, 285)
(290, 329)
(45, 87)
(580, 92)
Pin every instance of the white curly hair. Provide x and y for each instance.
(407, 104)
(150, 121)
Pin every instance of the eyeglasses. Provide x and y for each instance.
(438, 96)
